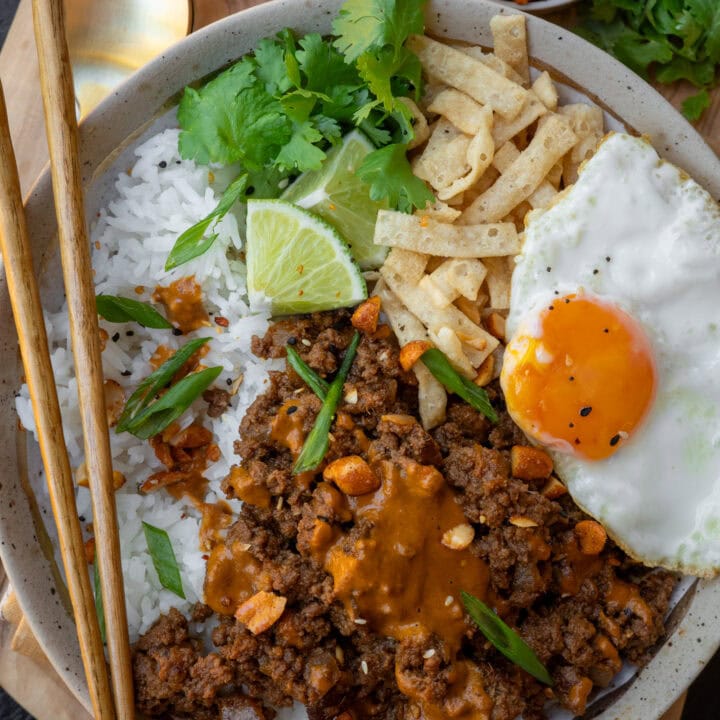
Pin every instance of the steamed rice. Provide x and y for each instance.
(156, 201)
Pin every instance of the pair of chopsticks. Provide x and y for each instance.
(61, 127)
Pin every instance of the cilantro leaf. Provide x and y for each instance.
(694, 106)
(390, 176)
(270, 70)
(379, 67)
(362, 25)
(323, 66)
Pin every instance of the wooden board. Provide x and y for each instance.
(28, 676)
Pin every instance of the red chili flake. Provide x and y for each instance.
(221, 321)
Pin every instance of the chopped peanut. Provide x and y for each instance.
(104, 337)
(351, 396)
(352, 475)
(485, 371)
(578, 695)
(90, 550)
(522, 522)
(114, 402)
(398, 419)
(495, 324)
(261, 611)
(322, 536)
(81, 476)
(553, 489)
(118, 479)
(591, 537)
(469, 308)
(529, 463)
(240, 484)
(365, 317)
(410, 353)
(459, 537)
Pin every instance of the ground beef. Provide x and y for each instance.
(218, 401)
(565, 607)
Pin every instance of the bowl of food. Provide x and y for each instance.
(403, 339)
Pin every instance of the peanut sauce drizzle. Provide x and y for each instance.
(183, 304)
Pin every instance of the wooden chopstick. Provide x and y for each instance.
(27, 311)
(61, 127)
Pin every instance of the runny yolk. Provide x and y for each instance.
(580, 377)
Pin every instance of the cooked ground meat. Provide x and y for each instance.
(578, 612)
(218, 401)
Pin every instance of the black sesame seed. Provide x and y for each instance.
(250, 190)
(595, 271)
(571, 425)
(606, 330)
(116, 337)
(608, 258)
(177, 162)
(548, 268)
(292, 340)
(571, 378)
(577, 441)
(552, 307)
(228, 381)
(130, 333)
(177, 331)
(584, 412)
(614, 440)
(126, 373)
(292, 409)
(162, 164)
(81, 518)
(567, 301)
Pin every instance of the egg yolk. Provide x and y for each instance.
(580, 377)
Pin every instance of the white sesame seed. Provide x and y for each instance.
(449, 600)
(283, 183)
(364, 667)
(429, 653)
(306, 342)
(360, 621)
(280, 503)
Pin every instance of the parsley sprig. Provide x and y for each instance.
(674, 39)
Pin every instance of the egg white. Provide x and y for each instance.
(638, 232)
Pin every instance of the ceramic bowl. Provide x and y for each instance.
(145, 103)
(537, 6)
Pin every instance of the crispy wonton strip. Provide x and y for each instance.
(410, 265)
(424, 235)
(587, 122)
(479, 156)
(432, 397)
(460, 276)
(434, 318)
(552, 140)
(499, 276)
(420, 125)
(492, 61)
(505, 157)
(460, 109)
(545, 89)
(510, 43)
(505, 130)
(465, 73)
(440, 211)
(444, 159)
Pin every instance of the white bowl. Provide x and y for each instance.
(137, 109)
(537, 6)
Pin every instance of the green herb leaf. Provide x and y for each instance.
(317, 441)
(390, 176)
(157, 416)
(438, 364)
(155, 382)
(362, 25)
(317, 384)
(504, 638)
(117, 309)
(163, 558)
(99, 610)
(694, 106)
(194, 241)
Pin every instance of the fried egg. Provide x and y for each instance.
(613, 362)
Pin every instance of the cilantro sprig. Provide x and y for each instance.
(672, 39)
(276, 112)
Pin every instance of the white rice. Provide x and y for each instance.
(131, 241)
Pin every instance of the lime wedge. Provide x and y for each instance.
(297, 262)
(335, 194)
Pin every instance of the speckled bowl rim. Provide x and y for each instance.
(119, 120)
(539, 6)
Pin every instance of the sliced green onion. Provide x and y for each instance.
(438, 364)
(117, 309)
(319, 386)
(163, 557)
(504, 638)
(98, 599)
(317, 441)
(158, 415)
(155, 382)
(194, 241)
